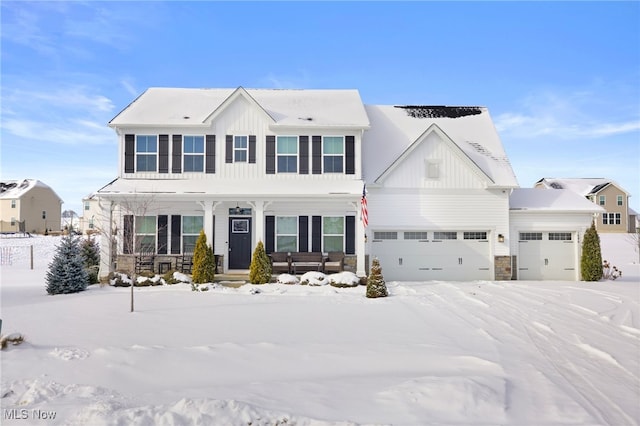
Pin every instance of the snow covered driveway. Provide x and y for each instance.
(514, 353)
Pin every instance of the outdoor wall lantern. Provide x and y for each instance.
(500, 238)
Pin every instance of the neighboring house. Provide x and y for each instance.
(90, 218)
(617, 216)
(288, 167)
(29, 205)
(547, 229)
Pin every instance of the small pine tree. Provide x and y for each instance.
(91, 256)
(376, 286)
(260, 269)
(591, 260)
(67, 273)
(203, 261)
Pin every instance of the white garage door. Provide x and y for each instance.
(428, 255)
(547, 256)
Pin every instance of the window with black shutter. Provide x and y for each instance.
(176, 159)
(129, 153)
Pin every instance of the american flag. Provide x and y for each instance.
(365, 213)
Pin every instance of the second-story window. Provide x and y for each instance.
(287, 154)
(602, 200)
(240, 149)
(193, 153)
(146, 153)
(13, 204)
(620, 202)
(333, 154)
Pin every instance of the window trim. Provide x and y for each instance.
(193, 155)
(184, 234)
(137, 235)
(139, 154)
(279, 155)
(602, 200)
(620, 200)
(284, 234)
(237, 150)
(341, 235)
(341, 155)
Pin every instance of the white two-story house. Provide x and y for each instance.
(288, 168)
(278, 166)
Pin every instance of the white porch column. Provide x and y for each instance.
(258, 227)
(106, 225)
(360, 243)
(208, 220)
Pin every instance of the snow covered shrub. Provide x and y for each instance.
(13, 338)
(314, 278)
(287, 279)
(591, 260)
(344, 279)
(169, 277)
(119, 279)
(610, 272)
(67, 273)
(204, 266)
(376, 286)
(260, 269)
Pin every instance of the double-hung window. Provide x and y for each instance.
(146, 153)
(191, 227)
(333, 233)
(193, 153)
(287, 154)
(13, 204)
(602, 200)
(286, 233)
(333, 154)
(620, 200)
(240, 149)
(146, 234)
(611, 218)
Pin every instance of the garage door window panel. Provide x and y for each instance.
(475, 235)
(531, 236)
(559, 236)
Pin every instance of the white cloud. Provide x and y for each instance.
(579, 114)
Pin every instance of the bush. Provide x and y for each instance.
(591, 260)
(119, 279)
(91, 257)
(169, 278)
(203, 261)
(376, 286)
(260, 269)
(344, 279)
(67, 273)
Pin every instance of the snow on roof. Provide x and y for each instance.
(15, 189)
(558, 200)
(395, 128)
(287, 107)
(234, 188)
(582, 186)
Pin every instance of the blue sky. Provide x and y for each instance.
(561, 79)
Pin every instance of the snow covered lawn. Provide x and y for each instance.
(514, 353)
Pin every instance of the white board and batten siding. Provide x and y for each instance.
(427, 241)
(548, 245)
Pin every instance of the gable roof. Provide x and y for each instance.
(15, 189)
(394, 129)
(561, 200)
(582, 186)
(162, 106)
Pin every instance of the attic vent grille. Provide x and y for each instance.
(425, 111)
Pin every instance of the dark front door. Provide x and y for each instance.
(239, 242)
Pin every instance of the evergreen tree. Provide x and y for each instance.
(260, 269)
(203, 261)
(376, 286)
(67, 273)
(91, 257)
(591, 260)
